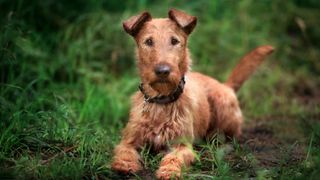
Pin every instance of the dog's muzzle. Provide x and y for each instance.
(172, 97)
(162, 70)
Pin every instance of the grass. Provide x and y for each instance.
(67, 71)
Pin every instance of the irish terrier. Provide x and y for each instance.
(174, 106)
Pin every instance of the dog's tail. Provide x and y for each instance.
(247, 65)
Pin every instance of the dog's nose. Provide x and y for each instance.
(162, 70)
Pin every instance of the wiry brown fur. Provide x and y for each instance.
(204, 107)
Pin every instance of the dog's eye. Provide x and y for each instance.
(149, 42)
(174, 41)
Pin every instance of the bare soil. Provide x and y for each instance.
(273, 143)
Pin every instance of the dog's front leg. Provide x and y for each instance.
(126, 159)
(172, 163)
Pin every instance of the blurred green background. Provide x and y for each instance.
(67, 70)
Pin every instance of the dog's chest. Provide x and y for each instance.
(160, 134)
(164, 125)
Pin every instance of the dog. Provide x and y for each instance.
(175, 106)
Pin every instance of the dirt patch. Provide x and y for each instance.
(265, 145)
(268, 149)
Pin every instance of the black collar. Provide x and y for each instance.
(172, 97)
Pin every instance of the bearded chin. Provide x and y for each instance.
(164, 88)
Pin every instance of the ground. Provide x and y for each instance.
(261, 152)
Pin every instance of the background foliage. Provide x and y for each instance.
(67, 70)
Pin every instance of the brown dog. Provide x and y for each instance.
(175, 106)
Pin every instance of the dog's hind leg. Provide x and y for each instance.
(227, 113)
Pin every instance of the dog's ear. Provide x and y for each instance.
(134, 23)
(184, 20)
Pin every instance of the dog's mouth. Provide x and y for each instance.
(161, 81)
(163, 86)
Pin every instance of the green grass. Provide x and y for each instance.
(67, 71)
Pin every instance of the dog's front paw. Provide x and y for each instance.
(169, 172)
(126, 165)
(170, 168)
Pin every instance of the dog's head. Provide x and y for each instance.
(162, 52)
